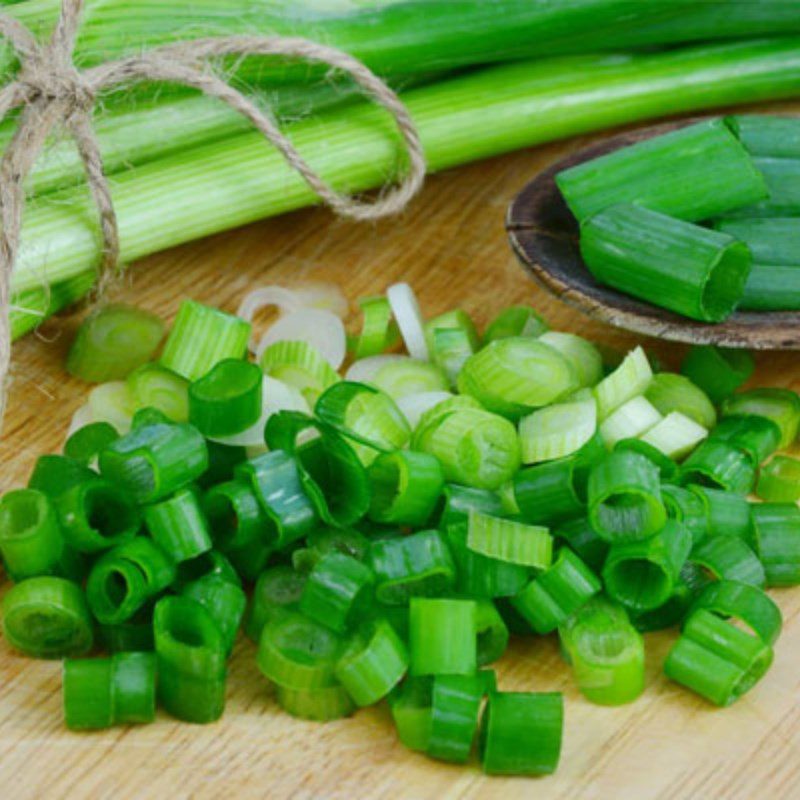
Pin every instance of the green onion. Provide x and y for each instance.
(557, 593)
(633, 418)
(718, 371)
(581, 538)
(442, 636)
(47, 617)
(581, 353)
(200, 337)
(459, 501)
(782, 406)
(773, 241)
(211, 562)
(378, 333)
(683, 267)
(112, 342)
(401, 377)
(757, 436)
(411, 711)
(85, 444)
(190, 654)
(558, 430)
(606, 653)
(772, 288)
(729, 558)
(720, 465)
(222, 461)
(419, 564)
(451, 349)
(373, 663)
(278, 589)
(624, 497)
(178, 526)
(779, 480)
(521, 733)
(431, 418)
(510, 541)
(112, 402)
(492, 632)
(716, 660)
(322, 541)
(405, 488)
(227, 399)
(764, 135)
(551, 492)
(675, 436)
(642, 574)
(456, 320)
(630, 379)
(54, 475)
(155, 386)
(224, 601)
(455, 712)
(320, 705)
(726, 513)
(515, 375)
(693, 173)
(133, 635)
(690, 508)
(515, 321)
(299, 365)
(783, 200)
(777, 541)
(670, 392)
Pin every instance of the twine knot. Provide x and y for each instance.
(51, 92)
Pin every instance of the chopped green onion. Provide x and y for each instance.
(154, 461)
(581, 353)
(178, 526)
(779, 480)
(642, 574)
(112, 402)
(211, 562)
(632, 419)
(624, 497)
(719, 465)
(667, 468)
(557, 593)
(685, 268)
(452, 320)
(781, 176)
(515, 321)
(764, 135)
(54, 475)
(414, 406)
(200, 337)
(190, 654)
(664, 173)
(782, 406)
(405, 487)
(630, 379)
(149, 416)
(581, 538)
(410, 566)
(227, 399)
(112, 342)
(224, 601)
(442, 636)
(606, 653)
(372, 663)
(718, 371)
(320, 705)
(411, 712)
(278, 589)
(455, 712)
(47, 617)
(402, 377)
(510, 541)
(133, 635)
(670, 392)
(222, 461)
(729, 558)
(460, 500)
(432, 417)
(492, 632)
(405, 308)
(451, 349)
(521, 733)
(755, 435)
(690, 508)
(726, 513)
(777, 541)
(514, 376)
(772, 288)
(299, 365)
(322, 541)
(85, 444)
(676, 435)
(378, 332)
(558, 430)
(551, 492)
(716, 660)
(771, 241)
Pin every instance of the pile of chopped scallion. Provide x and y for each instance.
(394, 525)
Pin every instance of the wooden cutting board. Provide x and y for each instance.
(451, 246)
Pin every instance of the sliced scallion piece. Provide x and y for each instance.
(114, 403)
(178, 525)
(772, 287)
(411, 711)
(771, 241)
(632, 419)
(676, 435)
(320, 705)
(515, 321)
(630, 379)
(670, 392)
(765, 135)
(401, 377)
(225, 602)
(581, 538)
(755, 435)
(777, 541)
(455, 712)
(227, 399)
(278, 589)
(442, 636)
(492, 632)
(726, 513)
(729, 558)
(85, 444)
(378, 331)
(558, 430)
(581, 353)
(299, 365)
(719, 465)
(718, 371)
(687, 507)
(405, 308)
(782, 406)
(510, 541)
(782, 176)
(779, 480)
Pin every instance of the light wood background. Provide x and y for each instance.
(451, 246)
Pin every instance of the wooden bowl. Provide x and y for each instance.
(544, 235)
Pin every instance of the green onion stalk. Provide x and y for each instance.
(200, 191)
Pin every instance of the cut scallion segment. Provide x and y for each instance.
(581, 538)
(299, 365)
(510, 541)
(720, 465)
(178, 526)
(687, 507)
(114, 403)
(442, 636)
(642, 574)
(765, 135)
(782, 406)
(755, 435)
(227, 399)
(112, 342)
(431, 418)
(771, 241)
(277, 590)
(54, 475)
(459, 501)
(779, 480)
(694, 173)
(414, 406)
(515, 321)
(624, 497)
(224, 601)
(320, 705)
(557, 593)
(455, 712)
(718, 371)
(670, 392)
(322, 541)
(581, 353)
(772, 288)
(551, 492)
(321, 329)
(558, 430)
(451, 349)
(727, 514)
(630, 379)
(606, 653)
(411, 711)
(777, 541)
(676, 435)
(400, 376)
(667, 468)
(405, 308)
(85, 444)
(513, 376)
(378, 332)
(782, 176)
(717, 660)
(729, 558)
(632, 419)
(492, 632)
(155, 386)
(521, 733)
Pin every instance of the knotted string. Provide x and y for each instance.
(52, 92)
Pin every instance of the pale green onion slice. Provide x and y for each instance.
(515, 321)
(629, 421)
(365, 369)
(113, 403)
(300, 365)
(155, 386)
(451, 348)
(510, 541)
(455, 319)
(581, 353)
(630, 379)
(378, 331)
(670, 392)
(558, 430)
(405, 308)
(406, 376)
(430, 418)
(414, 406)
(676, 435)
(323, 330)
(514, 376)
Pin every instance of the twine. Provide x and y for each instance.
(52, 92)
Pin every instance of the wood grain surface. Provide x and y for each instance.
(451, 245)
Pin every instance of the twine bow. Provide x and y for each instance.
(52, 91)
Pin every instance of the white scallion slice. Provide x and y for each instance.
(113, 403)
(414, 406)
(629, 421)
(558, 430)
(80, 419)
(405, 308)
(580, 352)
(630, 379)
(676, 435)
(365, 369)
(410, 376)
(323, 330)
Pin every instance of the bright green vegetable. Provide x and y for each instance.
(772, 288)
(764, 135)
(178, 526)
(632, 419)
(581, 353)
(156, 387)
(510, 541)
(227, 399)
(225, 602)
(772, 241)
(729, 558)
(558, 430)
(86, 443)
(277, 589)
(718, 371)
(455, 712)
(781, 176)
(777, 541)
(515, 321)
(726, 513)
(779, 480)
(757, 436)
(300, 365)
(630, 379)
(670, 392)
(721, 465)
(675, 436)
(442, 636)
(782, 406)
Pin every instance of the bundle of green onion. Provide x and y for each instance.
(642, 212)
(392, 526)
